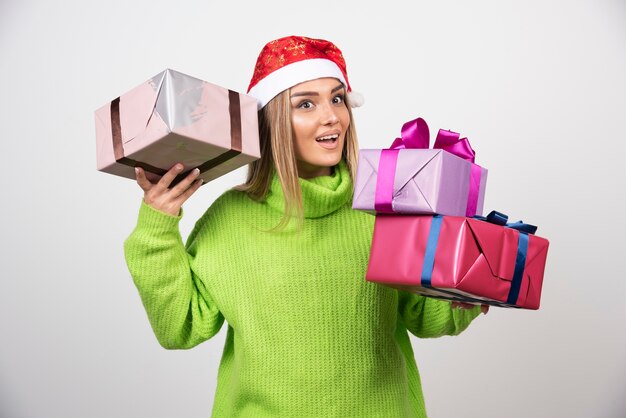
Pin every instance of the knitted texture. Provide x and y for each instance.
(307, 336)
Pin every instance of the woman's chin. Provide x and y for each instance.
(317, 168)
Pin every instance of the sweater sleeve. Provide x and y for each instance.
(179, 307)
(429, 318)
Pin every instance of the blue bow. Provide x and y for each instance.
(501, 219)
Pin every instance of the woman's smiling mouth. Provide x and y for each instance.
(326, 138)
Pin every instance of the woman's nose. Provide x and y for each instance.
(329, 115)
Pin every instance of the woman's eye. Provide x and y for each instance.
(305, 105)
(338, 99)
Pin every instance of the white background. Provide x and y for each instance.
(539, 87)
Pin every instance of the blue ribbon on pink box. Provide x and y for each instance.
(496, 218)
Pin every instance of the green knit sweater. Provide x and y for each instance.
(307, 336)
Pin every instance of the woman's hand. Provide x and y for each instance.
(160, 197)
(460, 305)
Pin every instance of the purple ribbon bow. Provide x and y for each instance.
(415, 134)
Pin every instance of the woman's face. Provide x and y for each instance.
(320, 119)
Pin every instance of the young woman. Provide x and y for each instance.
(282, 259)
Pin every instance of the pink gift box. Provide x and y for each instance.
(458, 258)
(410, 178)
(173, 118)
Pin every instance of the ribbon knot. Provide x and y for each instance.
(501, 219)
(415, 134)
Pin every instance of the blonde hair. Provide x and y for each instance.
(278, 156)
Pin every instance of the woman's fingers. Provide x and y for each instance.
(142, 181)
(462, 305)
(166, 180)
(185, 183)
(160, 196)
(187, 193)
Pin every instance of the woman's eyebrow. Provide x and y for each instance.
(313, 93)
(305, 93)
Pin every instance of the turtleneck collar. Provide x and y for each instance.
(320, 195)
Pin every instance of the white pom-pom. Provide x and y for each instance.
(355, 99)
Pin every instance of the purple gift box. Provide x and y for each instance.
(410, 178)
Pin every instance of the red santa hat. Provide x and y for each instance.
(291, 60)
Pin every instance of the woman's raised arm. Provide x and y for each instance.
(179, 307)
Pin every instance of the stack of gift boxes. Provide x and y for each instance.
(429, 237)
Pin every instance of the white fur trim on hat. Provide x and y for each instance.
(356, 99)
(290, 75)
